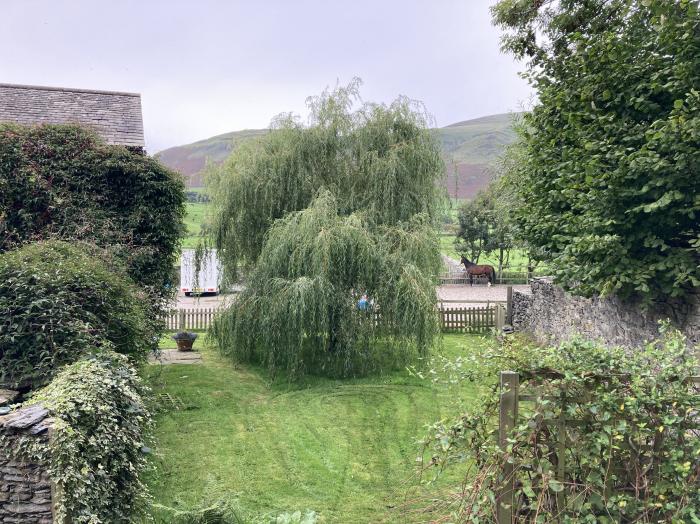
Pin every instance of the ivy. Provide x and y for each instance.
(62, 181)
(96, 451)
(632, 446)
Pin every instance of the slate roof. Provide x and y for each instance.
(115, 116)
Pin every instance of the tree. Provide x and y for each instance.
(322, 215)
(609, 179)
(475, 225)
(62, 181)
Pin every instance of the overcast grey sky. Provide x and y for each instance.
(207, 67)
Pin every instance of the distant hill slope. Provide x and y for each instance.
(469, 149)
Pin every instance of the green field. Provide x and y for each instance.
(345, 449)
(195, 217)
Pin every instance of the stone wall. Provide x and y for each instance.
(25, 487)
(553, 316)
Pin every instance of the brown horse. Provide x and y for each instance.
(477, 270)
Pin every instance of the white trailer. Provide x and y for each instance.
(209, 277)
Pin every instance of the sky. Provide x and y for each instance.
(206, 67)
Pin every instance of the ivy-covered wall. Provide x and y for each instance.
(25, 487)
(554, 316)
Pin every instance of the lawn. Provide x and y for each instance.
(345, 449)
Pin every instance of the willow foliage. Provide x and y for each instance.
(377, 159)
(324, 214)
(299, 311)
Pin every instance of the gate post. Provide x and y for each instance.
(508, 415)
(509, 305)
(181, 320)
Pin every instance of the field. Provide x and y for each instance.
(345, 449)
(195, 217)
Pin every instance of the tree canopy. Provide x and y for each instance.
(335, 220)
(376, 158)
(608, 181)
(62, 181)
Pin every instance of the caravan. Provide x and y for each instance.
(209, 276)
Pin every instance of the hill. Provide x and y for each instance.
(469, 149)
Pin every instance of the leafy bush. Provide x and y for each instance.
(608, 178)
(632, 434)
(96, 451)
(59, 301)
(62, 181)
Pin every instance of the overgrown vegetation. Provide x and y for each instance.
(631, 446)
(62, 181)
(356, 200)
(60, 301)
(96, 452)
(608, 178)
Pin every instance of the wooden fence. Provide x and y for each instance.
(188, 319)
(452, 319)
(509, 407)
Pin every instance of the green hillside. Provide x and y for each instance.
(469, 149)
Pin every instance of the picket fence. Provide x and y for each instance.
(452, 319)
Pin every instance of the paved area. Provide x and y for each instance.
(466, 295)
(173, 356)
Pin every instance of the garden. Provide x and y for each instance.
(327, 391)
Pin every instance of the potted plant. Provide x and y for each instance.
(184, 340)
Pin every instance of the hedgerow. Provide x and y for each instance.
(62, 181)
(631, 434)
(96, 452)
(59, 301)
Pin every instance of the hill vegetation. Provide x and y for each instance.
(469, 148)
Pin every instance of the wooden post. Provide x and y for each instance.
(181, 320)
(509, 305)
(508, 416)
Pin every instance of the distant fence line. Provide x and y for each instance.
(452, 319)
(457, 275)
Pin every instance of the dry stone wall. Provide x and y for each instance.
(553, 316)
(25, 487)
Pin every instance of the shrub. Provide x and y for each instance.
(62, 181)
(632, 450)
(60, 301)
(96, 451)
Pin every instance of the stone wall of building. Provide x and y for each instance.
(25, 487)
(553, 316)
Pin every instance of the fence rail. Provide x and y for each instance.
(452, 319)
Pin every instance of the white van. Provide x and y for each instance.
(209, 273)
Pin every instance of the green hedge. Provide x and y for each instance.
(59, 301)
(97, 450)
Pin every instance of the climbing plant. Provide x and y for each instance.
(62, 181)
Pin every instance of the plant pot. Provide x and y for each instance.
(185, 340)
(184, 344)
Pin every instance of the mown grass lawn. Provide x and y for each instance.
(345, 449)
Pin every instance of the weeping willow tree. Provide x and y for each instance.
(321, 216)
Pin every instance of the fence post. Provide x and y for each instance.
(509, 305)
(500, 317)
(508, 415)
(181, 320)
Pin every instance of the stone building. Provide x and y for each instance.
(114, 116)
